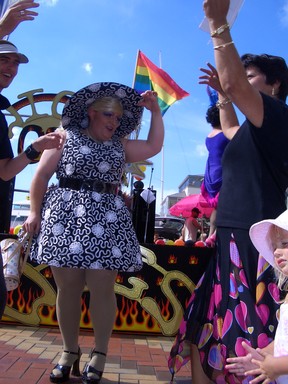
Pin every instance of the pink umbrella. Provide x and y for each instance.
(183, 207)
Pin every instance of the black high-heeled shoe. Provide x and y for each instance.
(65, 369)
(89, 369)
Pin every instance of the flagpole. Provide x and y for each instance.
(162, 165)
(134, 76)
(133, 85)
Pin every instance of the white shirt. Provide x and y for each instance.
(190, 231)
(281, 339)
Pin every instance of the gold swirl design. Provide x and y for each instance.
(168, 328)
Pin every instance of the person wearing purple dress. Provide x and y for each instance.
(216, 143)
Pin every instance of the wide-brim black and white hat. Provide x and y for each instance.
(75, 110)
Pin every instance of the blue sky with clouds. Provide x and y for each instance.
(75, 43)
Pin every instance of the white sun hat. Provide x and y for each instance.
(8, 47)
(260, 235)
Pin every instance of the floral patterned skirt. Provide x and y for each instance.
(88, 230)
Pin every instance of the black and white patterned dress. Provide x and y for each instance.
(86, 229)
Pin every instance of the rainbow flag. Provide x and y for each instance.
(149, 77)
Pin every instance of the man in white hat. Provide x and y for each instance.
(10, 59)
(10, 166)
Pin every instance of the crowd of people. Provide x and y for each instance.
(83, 230)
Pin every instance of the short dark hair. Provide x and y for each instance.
(212, 116)
(273, 67)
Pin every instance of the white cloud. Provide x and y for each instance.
(201, 150)
(284, 14)
(87, 67)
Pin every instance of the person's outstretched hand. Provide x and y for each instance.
(216, 9)
(15, 14)
(149, 101)
(242, 364)
(49, 141)
(211, 78)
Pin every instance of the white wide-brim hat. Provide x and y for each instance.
(75, 110)
(261, 238)
(7, 47)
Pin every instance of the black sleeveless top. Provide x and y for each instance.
(255, 170)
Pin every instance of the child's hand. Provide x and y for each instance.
(265, 371)
(240, 365)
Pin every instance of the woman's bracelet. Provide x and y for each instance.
(220, 30)
(221, 104)
(224, 45)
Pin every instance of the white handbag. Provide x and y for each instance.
(13, 259)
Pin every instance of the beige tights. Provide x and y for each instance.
(70, 285)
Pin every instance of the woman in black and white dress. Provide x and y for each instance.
(82, 227)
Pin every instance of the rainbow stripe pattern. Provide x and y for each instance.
(149, 77)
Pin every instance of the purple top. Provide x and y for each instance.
(213, 171)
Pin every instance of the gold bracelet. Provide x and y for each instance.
(220, 30)
(221, 104)
(223, 45)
